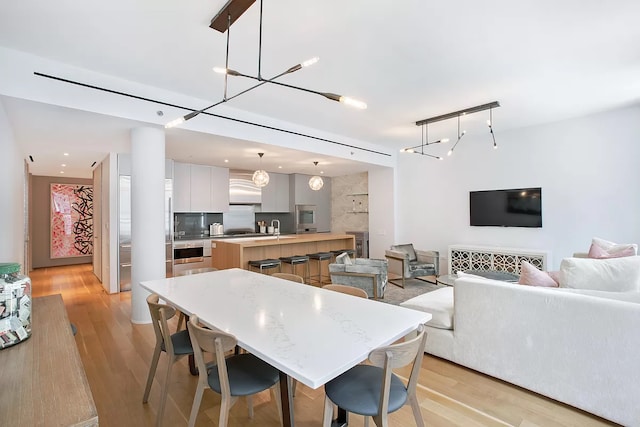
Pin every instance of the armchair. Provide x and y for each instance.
(415, 263)
(367, 274)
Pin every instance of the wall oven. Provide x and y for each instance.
(188, 253)
(305, 216)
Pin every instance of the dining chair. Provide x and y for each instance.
(289, 276)
(373, 390)
(174, 345)
(232, 377)
(351, 290)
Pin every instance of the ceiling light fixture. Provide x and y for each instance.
(456, 114)
(460, 135)
(316, 182)
(260, 177)
(222, 22)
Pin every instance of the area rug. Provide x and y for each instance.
(394, 294)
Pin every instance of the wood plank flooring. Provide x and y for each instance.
(116, 356)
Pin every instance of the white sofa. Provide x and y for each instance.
(581, 347)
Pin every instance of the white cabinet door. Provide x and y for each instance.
(275, 196)
(200, 188)
(219, 189)
(181, 187)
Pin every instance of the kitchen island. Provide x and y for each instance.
(236, 253)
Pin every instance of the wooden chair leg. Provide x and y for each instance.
(195, 408)
(225, 407)
(152, 373)
(381, 420)
(328, 412)
(415, 407)
(250, 405)
(163, 395)
(276, 396)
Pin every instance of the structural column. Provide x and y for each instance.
(147, 216)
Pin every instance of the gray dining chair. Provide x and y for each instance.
(174, 345)
(374, 390)
(235, 376)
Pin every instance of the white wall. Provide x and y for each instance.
(588, 169)
(382, 218)
(12, 189)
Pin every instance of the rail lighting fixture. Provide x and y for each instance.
(316, 182)
(260, 177)
(419, 149)
(231, 11)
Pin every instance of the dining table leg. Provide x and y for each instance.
(287, 400)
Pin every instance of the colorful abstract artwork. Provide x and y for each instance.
(71, 220)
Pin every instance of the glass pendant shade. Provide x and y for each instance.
(260, 178)
(316, 182)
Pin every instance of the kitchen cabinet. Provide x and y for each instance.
(200, 188)
(275, 196)
(301, 194)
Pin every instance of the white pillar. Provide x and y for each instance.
(147, 216)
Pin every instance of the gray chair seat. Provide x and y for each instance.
(181, 343)
(358, 390)
(247, 375)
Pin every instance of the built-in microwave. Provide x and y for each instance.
(306, 219)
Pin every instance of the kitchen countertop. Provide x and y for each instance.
(224, 236)
(271, 240)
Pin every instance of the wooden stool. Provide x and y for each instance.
(296, 260)
(265, 264)
(319, 256)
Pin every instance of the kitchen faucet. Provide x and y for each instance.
(276, 230)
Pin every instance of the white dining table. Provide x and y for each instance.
(307, 333)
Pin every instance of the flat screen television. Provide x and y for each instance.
(518, 207)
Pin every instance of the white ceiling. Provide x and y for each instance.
(542, 60)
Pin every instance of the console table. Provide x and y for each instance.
(494, 258)
(43, 380)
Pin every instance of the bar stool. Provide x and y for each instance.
(265, 264)
(296, 260)
(319, 256)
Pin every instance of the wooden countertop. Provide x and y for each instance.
(43, 379)
(248, 242)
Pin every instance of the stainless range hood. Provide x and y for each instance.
(242, 190)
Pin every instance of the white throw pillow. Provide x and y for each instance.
(601, 248)
(613, 275)
(343, 258)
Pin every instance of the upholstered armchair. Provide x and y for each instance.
(364, 273)
(415, 263)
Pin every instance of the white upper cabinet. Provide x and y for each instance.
(199, 188)
(219, 189)
(275, 196)
(181, 187)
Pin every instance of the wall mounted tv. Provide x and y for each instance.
(518, 207)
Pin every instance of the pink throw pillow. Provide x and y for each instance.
(529, 275)
(599, 252)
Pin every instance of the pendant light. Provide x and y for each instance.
(316, 182)
(260, 177)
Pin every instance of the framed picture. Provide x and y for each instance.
(71, 220)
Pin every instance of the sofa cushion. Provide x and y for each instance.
(407, 249)
(530, 275)
(602, 249)
(438, 303)
(343, 258)
(633, 297)
(613, 275)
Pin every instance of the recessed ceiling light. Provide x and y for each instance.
(63, 165)
(66, 154)
(226, 160)
(321, 172)
(61, 171)
(279, 167)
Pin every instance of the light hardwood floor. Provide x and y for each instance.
(116, 356)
